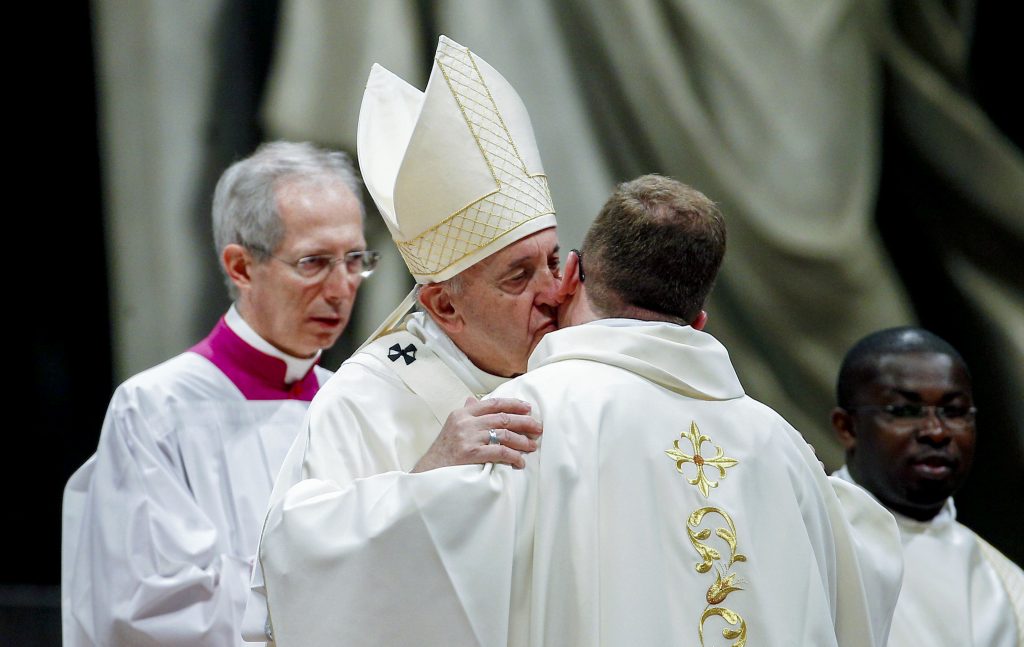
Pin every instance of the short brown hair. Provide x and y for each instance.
(657, 244)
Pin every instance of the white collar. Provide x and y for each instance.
(479, 381)
(297, 367)
(945, 517)
(679, 358)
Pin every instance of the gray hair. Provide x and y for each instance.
(455, 285)
(245, 200)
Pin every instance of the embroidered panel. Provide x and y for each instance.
(727, 580)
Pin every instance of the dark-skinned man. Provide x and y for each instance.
(906, 417)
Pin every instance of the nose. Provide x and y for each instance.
(547, 291)
(933, 430)
(340, 284)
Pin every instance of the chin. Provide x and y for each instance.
(927, 493)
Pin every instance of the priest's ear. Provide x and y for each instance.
(571, 278)
(700, 321)
(842, 424)
(237, 262)
(436, 299)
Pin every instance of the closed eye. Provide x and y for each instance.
(555, 266)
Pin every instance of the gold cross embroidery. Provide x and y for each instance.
(720, 460)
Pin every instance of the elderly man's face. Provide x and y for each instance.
(507, 303)
(295, 314)
(912, 464)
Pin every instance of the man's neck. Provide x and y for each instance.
(579, 310)
(923, 513)
(478, 380)
(297, 367)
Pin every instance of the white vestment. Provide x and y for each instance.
(375, 418)
(663, 507)
(958, 590)
(161, 525)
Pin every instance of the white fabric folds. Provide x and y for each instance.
(609, 536)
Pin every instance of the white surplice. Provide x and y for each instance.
(601, 540)
(160, 526)
(958, 590)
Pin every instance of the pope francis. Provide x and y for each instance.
(457, 177)
(665, 506)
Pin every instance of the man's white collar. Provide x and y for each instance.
(946, 516)
(297, 367)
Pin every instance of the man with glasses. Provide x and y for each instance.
(906, 417)
(161, 525)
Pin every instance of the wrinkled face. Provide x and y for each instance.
(913, 464)
(508, 303)
(297, 315)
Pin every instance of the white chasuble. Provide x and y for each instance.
(369, 424)
(958, 591)
(663, 507)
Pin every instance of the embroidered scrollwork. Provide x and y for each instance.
(739, 634)
(707, 553)
(726, 581)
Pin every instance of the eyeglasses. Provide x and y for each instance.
(579, 264)
(317, 268)
(949, 414)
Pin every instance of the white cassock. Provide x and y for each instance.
(958, 590)
(663, 507)
(160, 526)
(373, 420)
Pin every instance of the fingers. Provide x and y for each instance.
(498, 405)
(513, 440)
(464, 438)
(502, 454)
(517, 424)
(511, 447)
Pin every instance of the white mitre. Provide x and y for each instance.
(454, 170)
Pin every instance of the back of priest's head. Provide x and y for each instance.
(654, 251)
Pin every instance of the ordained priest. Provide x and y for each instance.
(664, 505)
(161, 524)
(906, 417)
(457, 176)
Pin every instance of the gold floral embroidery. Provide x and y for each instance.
(726, 581)
(708, 554)
(720, 460)
(733, 618)
(722, 588)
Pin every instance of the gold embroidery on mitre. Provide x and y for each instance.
(726, 580)
(720, 460)
(519, 196)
